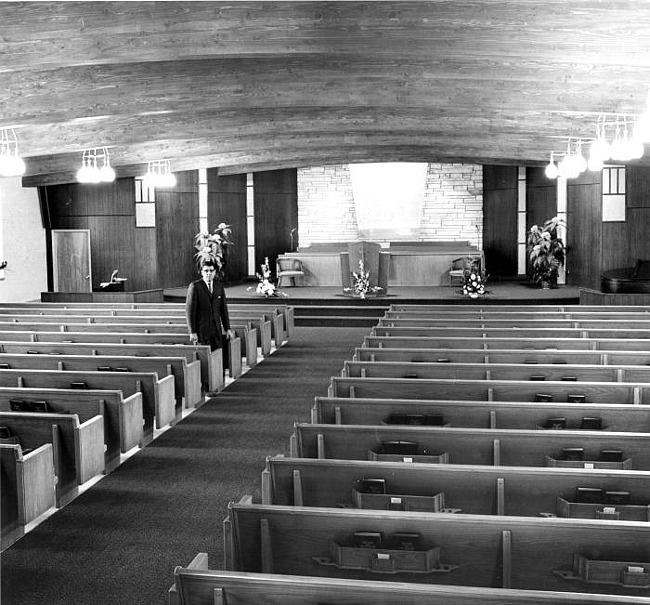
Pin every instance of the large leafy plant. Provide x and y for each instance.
(546, 251)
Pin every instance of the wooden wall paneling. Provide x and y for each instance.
(146, 255)
(107, 211)
(276, 213)
(500, 220)
(637, 180)
(541, 197)
(227, 204)
(177, 222)
(637, 213)
(584, 231)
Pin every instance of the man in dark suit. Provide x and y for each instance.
(207, 312)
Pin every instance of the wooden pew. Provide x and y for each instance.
(28, 488)
(480, 355)
(489, 308)
(489, 332)
(502, 323)
(165, 309)
(145, 323)
(452, 489)
(480, 414)
(489, 390)
(122, 416)
(158, 397)
(211, 362)
(165, 360)
(504, 312)
(131, 333)
(564, 555)
(187, 376)
(513, 342)
(497, 371)
(198, 585)
(78, 447)
(488, 447)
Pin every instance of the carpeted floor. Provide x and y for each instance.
(118, 543)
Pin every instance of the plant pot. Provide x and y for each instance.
(546, 285)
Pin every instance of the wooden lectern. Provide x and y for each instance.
(374, 261)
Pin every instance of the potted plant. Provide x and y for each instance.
(546, 252)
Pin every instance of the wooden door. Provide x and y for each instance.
(71, 260)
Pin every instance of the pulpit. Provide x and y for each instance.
(375, 262)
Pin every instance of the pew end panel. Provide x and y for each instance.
(214, 369)
(28, 488)
(235, 357)
(192, 381)
(165, 400)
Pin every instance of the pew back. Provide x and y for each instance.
(491, 447)
(78, 447)
(511, 552)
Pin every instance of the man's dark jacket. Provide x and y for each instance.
(207, 314)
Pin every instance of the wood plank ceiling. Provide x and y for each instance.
(248, 86)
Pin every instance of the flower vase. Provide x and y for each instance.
(473, 294)
(362, 294)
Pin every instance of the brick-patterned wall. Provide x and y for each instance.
(326, 211)
(452, 204)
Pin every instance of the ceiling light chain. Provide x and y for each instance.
(619, 138)
(96, 166)
(11, 164)
(159, 174)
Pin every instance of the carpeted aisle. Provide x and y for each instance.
(118, 543)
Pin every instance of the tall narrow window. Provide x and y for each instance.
(203, 199)
(250, 222)
(145, 204)
(613, 193)
(521, 221)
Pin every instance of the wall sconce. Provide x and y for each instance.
(11, 164)
(96, 167)
(159, 174)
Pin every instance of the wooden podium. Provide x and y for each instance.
(375, 262)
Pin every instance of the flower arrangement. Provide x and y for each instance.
(212, 246)
(361, 282)
(265, 286)
(473, 283)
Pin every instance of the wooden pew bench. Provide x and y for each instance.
(158, 397)
(520, 342)
(211, 362)
(500, 312)
(496, 371)
(470, 414)
(544, 308)
(488, 447)
(180, 362)
(480, 355)
(198, 585)
(563, 555)
(77, 447)
(28, 488)
(489, 390)
(452, 489)
(122, 416)
(528, 332)
(187, 375)
(503, 323)
(146, 324)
